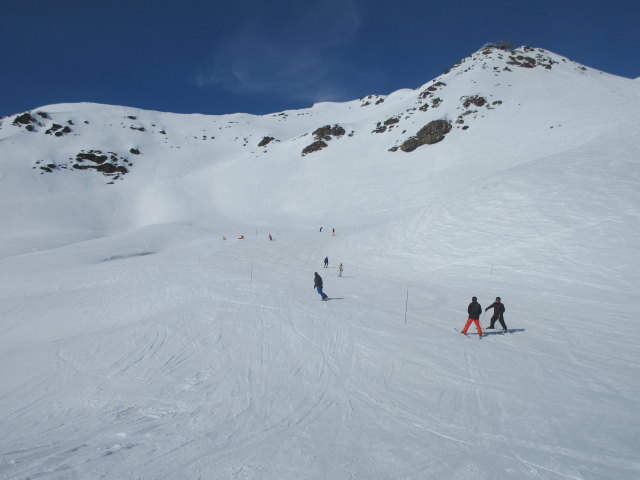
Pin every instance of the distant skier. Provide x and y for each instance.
(317, 284)
(320, 229)
(270, 237)
(241, 237)
(333, 231)
(475, 310)
(498, 314)
(326, 262)
(340, 268)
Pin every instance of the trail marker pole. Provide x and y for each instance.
(406, 306)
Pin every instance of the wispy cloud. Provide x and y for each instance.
(296, 56)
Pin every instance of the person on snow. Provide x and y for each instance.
(270, 237)
(498, 314)
(320, 229)
(317, 284)
(326, 262)
(474, 310)
(333, 231)
(340, 268)
(241, 237)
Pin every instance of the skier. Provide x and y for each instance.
(340, 268)
(475, 310)
(333, 232)
(326, 262)
(317, 284)
(241, 237)
(320, 229)
(270, 237)
(498, 314)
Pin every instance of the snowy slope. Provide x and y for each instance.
(136, 343)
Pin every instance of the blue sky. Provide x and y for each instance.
(264, 56)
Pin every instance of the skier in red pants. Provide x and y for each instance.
(474, 309)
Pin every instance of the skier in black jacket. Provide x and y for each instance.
(317, 284)
(498, 314)
(474, 310)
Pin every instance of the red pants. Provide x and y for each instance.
(477, 322)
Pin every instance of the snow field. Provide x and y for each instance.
(136, 343)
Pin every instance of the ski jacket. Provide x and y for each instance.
(317, 281)
(474, 309)
(498, 308)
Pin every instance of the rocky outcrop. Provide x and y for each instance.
(265, 141)
(314, 147)
(58, 130)
(109, 164)
(27, 121)
(323, 135)
(476, 100)
(326, 132)
(432, 132)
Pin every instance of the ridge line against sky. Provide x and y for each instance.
(215, 57)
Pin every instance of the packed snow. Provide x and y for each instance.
(141, 339)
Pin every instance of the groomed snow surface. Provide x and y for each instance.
(137, 343)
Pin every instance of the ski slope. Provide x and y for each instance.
(137, 343)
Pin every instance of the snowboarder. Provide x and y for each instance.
(270, 237)
(498, 314)
(340, 268)
(326, 262)
(475, 310)
(317, 284)
(241, 237)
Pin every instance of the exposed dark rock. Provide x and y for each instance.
(379, 128)
(140, 129)
(476, 100)
(43, 114)
(391, 121)
(54, 128)
(135, 151)
(326, 132)
(314, 147)
(25, 119)
(95, 156)
(131, 117)
(265, 141)
(431, 133)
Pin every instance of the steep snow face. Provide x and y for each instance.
(137, 343)
(511, 106)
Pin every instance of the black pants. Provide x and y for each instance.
(500, 318)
